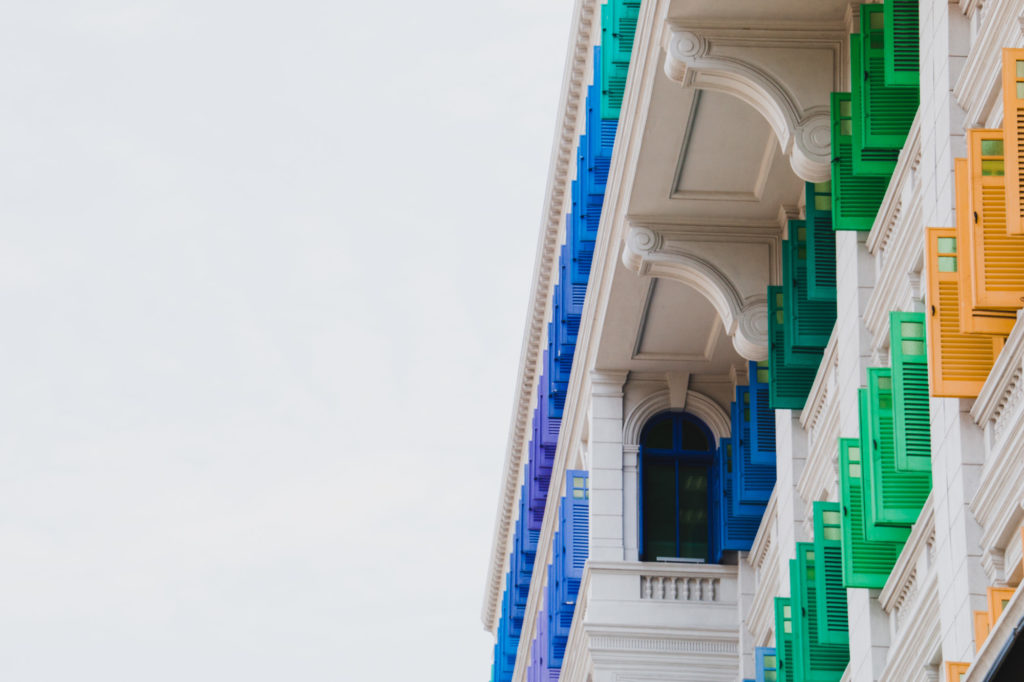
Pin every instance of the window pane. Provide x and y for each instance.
(693, 437)
(914, 330)
(845, 109)
(992, 167)
(991, 147)
(1020, 69)
(693, 512)
(913, 347)
(947, 263)
(947, 244)
(659, 508)
(845, 127)
(659, 435)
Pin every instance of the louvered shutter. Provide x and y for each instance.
(996, 256)
(902, 40)
(867, 159)
(894, 497)
(981, 629)
(789, 385)
(865, 563)
(997, 598)
(955, 670)
(855, 199)
(755, 481)
(558, 629)
(1013, 137)
(910, 399)
(766, 664)
(821, 242)
(871, 427)
(958, 363)
(784, 638)
(618, 28)
(814, 660)
(575, 530)
(885, 112)
(735, 532)
(808, 323)
(762, 423)
(833, 622)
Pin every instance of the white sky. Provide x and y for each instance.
(263, 276)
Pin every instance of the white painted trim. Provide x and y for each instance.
(697, 404)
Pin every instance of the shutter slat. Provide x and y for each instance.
(855, 198)
(821, 242)
(808, 323)
(762, 423)
(911, 402)
(833, 620)
(902, 58)
(789, 384)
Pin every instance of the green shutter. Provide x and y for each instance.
(893, 498)
(813, 660)
(821, 242)
(867, 160)
(910, 399)
(855, 199)
(901, 43)
(833, 627)
(788, 385)
(885, 114)
(784, 638)
(808, 323)
(618, 27)
(865, 563)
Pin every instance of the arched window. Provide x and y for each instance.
(677, 452)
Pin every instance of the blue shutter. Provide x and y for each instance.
(569, 557)
(762, 423)
(766, 666)
(755, 481)
(733, 532)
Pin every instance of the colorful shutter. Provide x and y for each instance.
(808, 323)
(883, 113)
(867, 159)
(833, 627)
(894, 498)
(981, 629)
(821, 242)
(618, 27)
(575, 522)
(784, 638)
(910, 399)
(997, 258)
(732, 531)
(789, 385)
(1013, 137)
(958, 363)
(813, 660)
(762, 423)
(559, 619)
(902, 60)
(855, 198)
(955, 670)
(865, 563)
(766, 664)
(754, 482)
(998, 598)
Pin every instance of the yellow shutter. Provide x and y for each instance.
(958, 363)
(955, 670)
(1013, 136)
(998, 597)
(981, 629)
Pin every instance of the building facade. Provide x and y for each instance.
(768, 422)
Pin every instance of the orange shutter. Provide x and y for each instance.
(958, 363)
(955, 670)
(1013, 136)
(998, 597)
(981, 629)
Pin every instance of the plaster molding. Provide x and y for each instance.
(697, 404)
(707, 59)
(978, 89)
(649, 253)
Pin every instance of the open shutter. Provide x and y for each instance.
(894, 497)
(865, 563)
(955, 670)
(855, 198)
(821, 242)
(618, 27)
(902, 41)
(789, 385)
(910, 399)
(958, 363)
(814, 660)
(762, 423)
(867, 159)
(808, 323)
(784, 638)
(755, 481)
(996, 256)
(735, 531)
(558, 622)
(575, 530)
(884, 113)
(833, 621)
(1013, 137)
(766, 664)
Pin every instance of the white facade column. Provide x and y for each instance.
(607, 541)
(791, 455)
(746, 587)
(631, 501)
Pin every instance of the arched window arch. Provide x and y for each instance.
(677, 453)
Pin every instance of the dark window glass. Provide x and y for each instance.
(659, 435)
(693, 512)
(693, 437)
(659, 502)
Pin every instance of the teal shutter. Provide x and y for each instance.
(865, 563)
(894, 498)
(821, 242)
(855, 199)
(618, 28)
(788, 385)
(883, 113)
(808, 323)
(833, 621)
(784, 638)
(910, 397)
(902, 40)
(867, 160)
(813, 660)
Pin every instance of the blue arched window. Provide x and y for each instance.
(677, 452)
